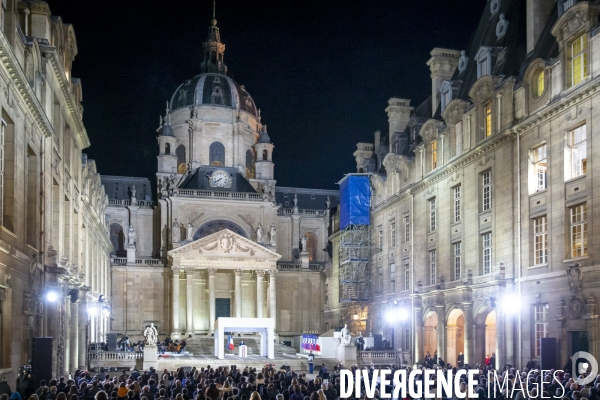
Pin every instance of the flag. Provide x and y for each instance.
(230, 345)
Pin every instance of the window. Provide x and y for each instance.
(406, 277)
(539, 83)
(379, 281)
(540, 240)
(217, 154)
(457, 260)
(393, 234)
(456, 196)
(579, 60)
(406, 229)
(392, 268)
(434, 154)
(392, 286)
(250, 165)
(432, 267)
(181, 159)
(578, 149)
(167, 148)
(487, 108)
(311, 246)
(486, 244)
(458, 138)
(432, 215)
(483, 68)
(380, 238)
(7, 133)
(446, 98)
(541, 326)
(540, 166)
(579, 231)
(406, 343)
(486, 191)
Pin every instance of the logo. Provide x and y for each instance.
(580, 368)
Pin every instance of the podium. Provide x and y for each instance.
(243, 351)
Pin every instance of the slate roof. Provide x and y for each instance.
(308, 199)
(198, 180)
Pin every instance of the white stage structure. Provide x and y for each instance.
(264, 326)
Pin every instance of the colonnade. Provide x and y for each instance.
(211, 273)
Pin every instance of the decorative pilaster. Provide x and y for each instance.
(273, 295)
(211, 299)
(418, 333)
(469, 342)
(500, 338)
(259, 292)
(175, 301)
(189, 306)
(74, 337)
(441, 331)
(238, 292)
(82, 324)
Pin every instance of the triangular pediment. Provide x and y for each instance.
(223, 246)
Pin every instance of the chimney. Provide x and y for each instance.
(398, 113)
(538, 12)
(442, 64)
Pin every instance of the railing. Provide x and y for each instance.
(115, 355)
(127, 203)
(306, 213)
(377, 357)
(298, 267)
(139, 261)
(217, 195)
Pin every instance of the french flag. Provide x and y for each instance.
(230, 345)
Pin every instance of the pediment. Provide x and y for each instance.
(225, 245)
(483, 88)
(454, 111)
(429, 131)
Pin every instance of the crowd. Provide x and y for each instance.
(270, 383)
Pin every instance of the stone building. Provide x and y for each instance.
(484, 208)
(54, 258)
(222, 239)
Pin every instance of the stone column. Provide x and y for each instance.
(175, 302)
(238, 292)
(83, 326)
(211, 299)
(500, 338)
(469, 334)
(441, 331)
(418, 334)
(189, 306)
(74, 337)
(273, 295)
(259, 292)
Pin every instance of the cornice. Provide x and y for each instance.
(18, 79)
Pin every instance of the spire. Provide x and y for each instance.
(166, 129)
(213, 48)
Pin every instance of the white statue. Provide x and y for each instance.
(295, 200)
(176, 231)
(273, 235)
(345, 336)
(190, 231)
(259, 233)
(131, 235)
(328, 202)
(151, 335)
(303, 243)
(133, 192)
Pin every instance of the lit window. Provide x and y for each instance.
(456, 195)
(458, 138)
(406, 229)
(393, 233)
(540, 166)
(541, 326)
(457, 261)
(486, 242)
(579, 59)
(579, 231)
(432, 215)
(488, 118)
(486, 190)
(577, 145)
(432, 267)
(540, 231)
(434, 154)
(406, 277)
(539, 83)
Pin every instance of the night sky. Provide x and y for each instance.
(320, 71)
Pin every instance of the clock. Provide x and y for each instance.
(220, 179)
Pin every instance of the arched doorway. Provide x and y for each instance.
(311, 246)
(455, 336)
(430, 326)
(215, 226)
(490, 333)
(117, 238)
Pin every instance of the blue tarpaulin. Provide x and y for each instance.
(355, 200)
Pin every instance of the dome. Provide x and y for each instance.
(213, 89)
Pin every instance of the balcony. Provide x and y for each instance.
(217, 195)
(378, 357)
(305, 213)
(152, 262)
(282, 267)
(127, 203)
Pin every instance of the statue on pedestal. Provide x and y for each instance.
(131, 235)
(345, 336)
(190, 231)
(151, 335)
(259, 233)
(303, 243)
(176, 231)
(273, 235)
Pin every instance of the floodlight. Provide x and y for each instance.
(51, 296)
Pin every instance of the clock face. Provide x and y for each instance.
(220, 179)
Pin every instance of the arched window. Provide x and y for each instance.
(217, 154)
(181, 160)
(538, 83)
(117, 238)
(249, 164)
(265, 154)
(168, 148)
(311, 246)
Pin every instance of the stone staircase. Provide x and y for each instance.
(204, 345)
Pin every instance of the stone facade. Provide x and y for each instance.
(53, 234)
(484, 216)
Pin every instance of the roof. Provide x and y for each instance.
(198, 180)
(308, 199)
